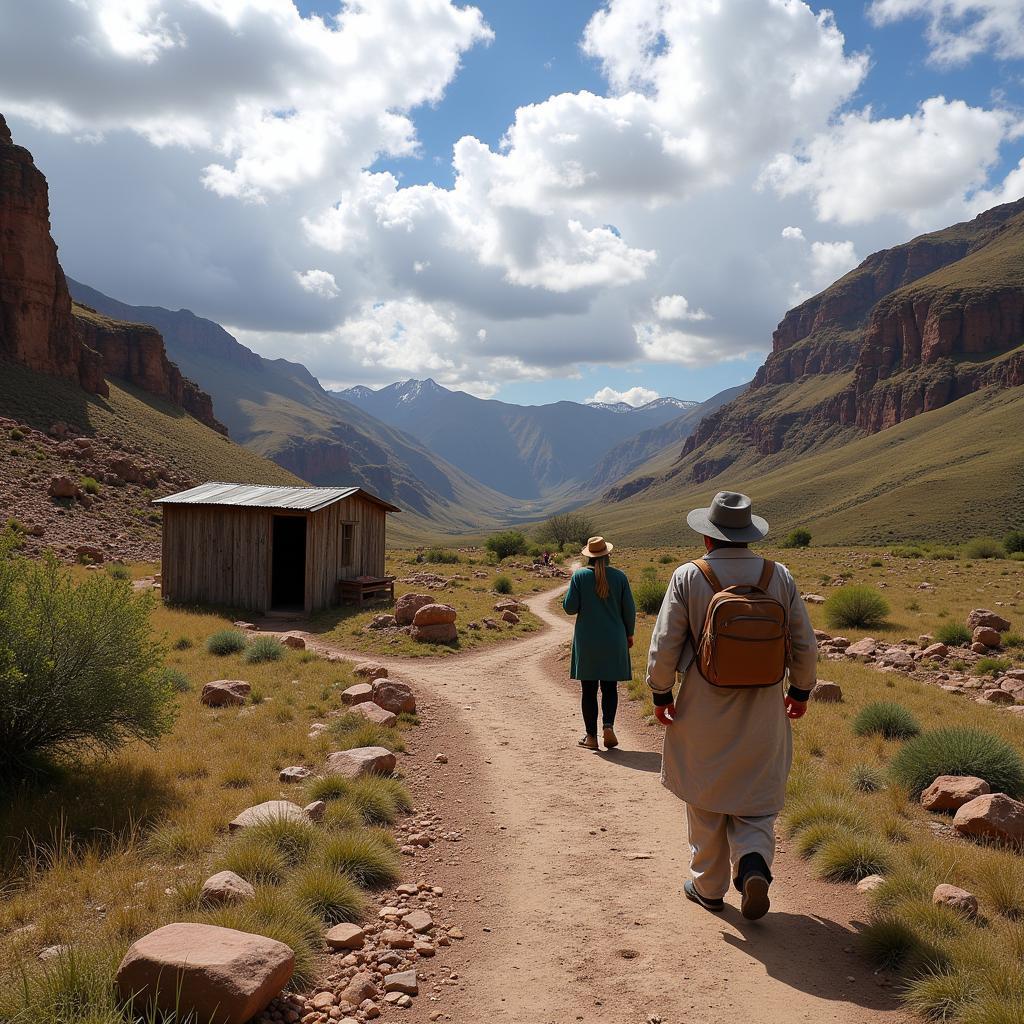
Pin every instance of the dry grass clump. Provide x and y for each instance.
(331, 896)
(886, 718)
(849, 857)
(264, 648)
(351, 731)
(257, 861)
(363, 855)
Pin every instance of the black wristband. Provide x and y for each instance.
(795, 693)
(662, 698)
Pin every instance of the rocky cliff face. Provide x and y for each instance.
(40, 329)
(36, 328)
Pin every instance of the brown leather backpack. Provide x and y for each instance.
(745, 641)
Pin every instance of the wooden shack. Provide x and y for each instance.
(265, 548)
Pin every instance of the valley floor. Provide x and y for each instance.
(569, 874)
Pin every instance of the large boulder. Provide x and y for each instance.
(441, 633)
(993, 816)
(64, 487)
(983, 617)
(394, 696)
(374, 713)
(226, 887)
(408, 605)
(225, 692)
(951, 792)
(361, 761)
(269, 810)
(204, 972)
(987, 635)
(435, 615)
(863, 650)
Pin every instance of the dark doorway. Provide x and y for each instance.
(288, 580)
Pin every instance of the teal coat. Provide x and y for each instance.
(599, 648)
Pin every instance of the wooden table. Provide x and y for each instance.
(358, 590)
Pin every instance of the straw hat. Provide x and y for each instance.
(597, 547)
(728, 517)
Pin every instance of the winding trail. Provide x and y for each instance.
(568, 882)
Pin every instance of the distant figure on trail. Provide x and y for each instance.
(734, 627)
(547, 557)
(600, 598)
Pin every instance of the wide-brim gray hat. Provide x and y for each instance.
(728, 517)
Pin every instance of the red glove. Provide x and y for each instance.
(629, 641)
(665, 713)
(795, 708)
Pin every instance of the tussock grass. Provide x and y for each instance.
(957, 750)
(867, 778)
(850, 857)
(351, 731)
(294, 840)
(886, 718)
(822, 809)
(855, 606)
(942, 995)
(225, 642)
(264, 648)
(331, 896)
(257, 861)
(953, 634)
(363, 855)
(379, 800)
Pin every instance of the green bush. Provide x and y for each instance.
(984, 547)
(1014, 541)
(953, 634)
(507, 543)
(1017, 556)
(907, 551)
(120, 572)
(572, 528)
(990, 666)
(667, 559)
(363, 856)
(648, 593)
(1013, 641)
(799, 538)
(441, 556)
(226, 641)
(176, 680)
(502, 585)
(942, 554)
(885, 718)
(258, 862)
(264, 648)
(856, 605)
(79, 668)
(331, 896)
(90, 485)
(959, 750)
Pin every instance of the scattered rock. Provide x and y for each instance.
(951, 792)
(988, 636)
(863, 650)
(214, 974)
(382, 622)
(361, 761)
(441, 633)
(225, 692)
(357, 694)
(269, 810)
(979, 648)
(315, 811)
(813, 598)
(296, 773)
(53, 952)
(418, 921)
(374, 713)
(997, 695)
(935, 651)
(435, 615)
(983, 617)
(827, 691)
(870, 883)
(393, 696)
(404, 982)
(370, 670)
(241, 624)
(295, 642)
(510, 617)
(993, 816)
(960, 900)
(360, 988)
(226, 887)
(408, 605)
(64, 487)
(345, 936)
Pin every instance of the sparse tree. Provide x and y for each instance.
(566, 528)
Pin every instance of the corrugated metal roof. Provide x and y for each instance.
(305, 499)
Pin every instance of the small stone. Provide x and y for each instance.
(323, 999)
(394, 696)
(226, 887)
(374, 713)
(361, 761)
(54, 952)
(405, 1001)
(394, 939)
(960, 900)
(370, 670)
(225, 692)
(295, 642)
(296, 773)
(510, 617)
(827, 692)
(269, 810)
(935, 651)
(418, 921)
(357, 694)
(863, 650)
(404, 982)
(345, 936)
(441, 759)
(870, 883)
(407, 889)
(951, 792)
(316, 810)
(988, 636)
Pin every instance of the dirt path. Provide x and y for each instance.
(568, 882)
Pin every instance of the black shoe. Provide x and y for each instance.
(690, 891)
(755, 901)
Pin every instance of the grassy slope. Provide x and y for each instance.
(158, 427)
(945, 475)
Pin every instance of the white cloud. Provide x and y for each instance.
(920, 166)
(667, 345)
(635, 396)
(961, 29)
(826, 263)
(793, 234)
(318, 282)
(675, 307)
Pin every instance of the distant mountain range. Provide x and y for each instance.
(534, 452)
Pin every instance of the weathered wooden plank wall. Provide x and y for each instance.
(324, 555)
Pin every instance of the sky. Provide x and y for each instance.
(521, 199)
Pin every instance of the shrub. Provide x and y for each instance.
(226, 641)
(984, 547)
(363, 856)
(183, 643)
(15, 434)
(440, 556)
(506, 544)
(953, 634)
(176, 680)
(851, 857)
(907, 551)
(502, 585)
(990, 666)
(1017, 556)
(876, 563)
(942, 554)
(959, 750)
(264, 648)
(667, 559)
(1014, 541)
(333, 897)
(888, 719)
(258, 862)
(649, 593)
(79, 669)
(574, 528)
(120, 572)
(866, 778)
(827, 809)
(856, 605)
(379, 800)
(1013, 641)
(90, 485)
(799, 538)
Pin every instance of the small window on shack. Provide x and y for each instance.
(348, 543)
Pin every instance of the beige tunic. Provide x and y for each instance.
(728, 750)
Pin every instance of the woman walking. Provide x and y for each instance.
(600, 598)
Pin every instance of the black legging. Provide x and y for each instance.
(609, 703)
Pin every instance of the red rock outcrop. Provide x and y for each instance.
(36, 328)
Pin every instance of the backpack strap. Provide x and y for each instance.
(709, 574)
(766, 574)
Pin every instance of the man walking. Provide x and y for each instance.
(735, 629)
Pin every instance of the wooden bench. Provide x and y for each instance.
(364, 587)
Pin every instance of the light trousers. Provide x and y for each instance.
(718, 841)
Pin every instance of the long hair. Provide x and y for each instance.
(600, 567)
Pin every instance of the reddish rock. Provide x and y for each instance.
(435, 615)
(345, 936)
(225, 692)
(863, 650)
(226, 887)
(357, 694)
(360, 988)
(394, 696)
(984, 617)
(960, 900)
(361, 761)
(979, 648)
(442, 633)
(296, 643)
(370, 670)
(374, 713)
(217, 974)
(408, 605)
(951, 792)
(510, 617)
(987, 635)
(63, 487)
(935, 651)
(994, 816)
(997, 695)
(827, 692)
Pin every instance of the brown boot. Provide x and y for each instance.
(610, 739)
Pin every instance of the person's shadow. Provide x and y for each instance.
(637, 760)
(806, 952)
